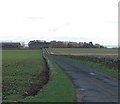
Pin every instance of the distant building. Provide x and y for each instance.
(7, 45)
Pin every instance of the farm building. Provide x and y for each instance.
(37, 44)
(8, 45)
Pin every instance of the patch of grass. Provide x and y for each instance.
(101, 68)
(110, 72)
(58, 89)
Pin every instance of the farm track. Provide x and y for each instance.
(89, 85)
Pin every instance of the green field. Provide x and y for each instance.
(21, 73)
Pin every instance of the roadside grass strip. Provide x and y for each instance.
(98, 67)
(58, 89)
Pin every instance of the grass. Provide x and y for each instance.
(110, 72)
(21, 70)
(58, 89)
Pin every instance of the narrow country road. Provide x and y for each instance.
(89, 85)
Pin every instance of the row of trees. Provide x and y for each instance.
(38, 44)
(62, 44)
(53, 44)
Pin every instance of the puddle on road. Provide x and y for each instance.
(82, 89)
(92, 73)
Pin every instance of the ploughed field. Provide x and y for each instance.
(84, 51)
(95, 54)
(92, 54)
(22, 73)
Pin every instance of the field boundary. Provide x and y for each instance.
(45, 72)
(59, 87)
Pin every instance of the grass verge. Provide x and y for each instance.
(110, 72)
(59, 88)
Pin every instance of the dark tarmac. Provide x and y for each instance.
(90, 86)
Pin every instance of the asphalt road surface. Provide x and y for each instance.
(89, 85)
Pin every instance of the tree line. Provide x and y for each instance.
(62, 44)
(36, 44)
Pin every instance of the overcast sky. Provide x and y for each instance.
(65, 20)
